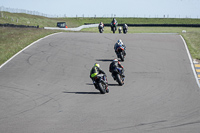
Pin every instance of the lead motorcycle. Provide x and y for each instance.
(117, 75)
(113, 27)
(100, 83)
(121, 53)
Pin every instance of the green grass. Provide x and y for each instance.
(25, 19)
(32, 20)
(193, 42)
(147, 30)
(144, 20)
(13, 40)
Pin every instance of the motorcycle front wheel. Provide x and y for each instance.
(114, 29)
(102, 88)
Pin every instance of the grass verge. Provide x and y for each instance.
(26, 19)
(193, 42)
(12, 40)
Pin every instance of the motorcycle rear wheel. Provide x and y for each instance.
(101, 30)
(119, 80)
(122, 56)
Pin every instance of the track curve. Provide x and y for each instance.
(47, 88)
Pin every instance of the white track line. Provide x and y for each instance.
(191, 62)
(26, 48)
(73, 29)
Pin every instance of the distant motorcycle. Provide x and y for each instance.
(120, 53)
(100, 83)
(101, 28)
(113, 27)
(118, 76)
(120, 30)
(125, 28)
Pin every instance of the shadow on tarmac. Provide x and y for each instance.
(82, 92)
(104, 60)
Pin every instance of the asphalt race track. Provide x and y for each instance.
(47, 89)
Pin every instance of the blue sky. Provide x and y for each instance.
(107, 8)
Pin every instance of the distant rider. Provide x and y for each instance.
(118, 44)
(101, 24)
(116, 64)
(96, 70)
(114, 22)
(125, 27)
(120, 30)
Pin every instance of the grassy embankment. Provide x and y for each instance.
(13, 40)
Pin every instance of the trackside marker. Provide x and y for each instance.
(191, 62)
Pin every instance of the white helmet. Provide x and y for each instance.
(119, 41)
(115, 60)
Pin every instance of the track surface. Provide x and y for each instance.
(47, 89)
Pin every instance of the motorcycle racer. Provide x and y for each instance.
(101, 23)
(116, 64)
(101, 27)
(118, 44)
(125, 28)
(114, 21)
(96, 70)
(114, 24)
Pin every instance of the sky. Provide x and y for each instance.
(110, 8)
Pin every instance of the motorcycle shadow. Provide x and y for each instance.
(107, 60)
(82, 92)
(113, 84)
(104, 60)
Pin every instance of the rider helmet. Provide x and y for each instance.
(115, 60)
(96, 65)
(119, 41)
